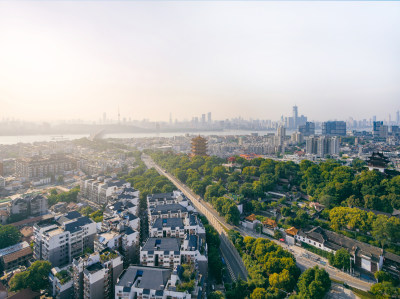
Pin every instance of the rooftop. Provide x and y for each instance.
(161, 244)
(168, 222)
(151, 278)
(174, 207)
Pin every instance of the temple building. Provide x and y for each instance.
(199, 146)
(377, 161)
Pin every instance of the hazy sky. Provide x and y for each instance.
(257, 59)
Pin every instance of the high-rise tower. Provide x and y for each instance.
(295, 116)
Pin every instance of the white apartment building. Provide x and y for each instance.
(95, 275)
(148, 282)
(102, 189)
(59, 240)
(163, 252)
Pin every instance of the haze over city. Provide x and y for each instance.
(64, 60)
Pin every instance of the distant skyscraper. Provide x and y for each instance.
(119, 116)
(307, 129)
(203, 118)
(104, 117)
(311, 145)
(398, 117)
(295, 116)
(334, 145)
(170, 118)
(335, 128)
(209, 117)
(281, 134)
(379, 130)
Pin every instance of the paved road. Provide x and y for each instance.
(306, 259)
(232, 259)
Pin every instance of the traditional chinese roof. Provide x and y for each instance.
(251, 217)
(292, 231)
(270, 222)
(378, 160)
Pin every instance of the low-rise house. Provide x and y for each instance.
(167, 227)
(154, 200)
(164, 252)
(193, 251)
(291, 235)
(174, 210)
(193, 225)
(364, 257)
(269, 226)
(16, 255)
(149, 282)
(251, 221)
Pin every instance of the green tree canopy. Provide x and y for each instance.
(35, 277)
(9, 235)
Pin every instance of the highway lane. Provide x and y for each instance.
(232, 259)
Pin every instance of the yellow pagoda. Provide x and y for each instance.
(199, 146)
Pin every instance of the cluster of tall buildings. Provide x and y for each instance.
(294, 121)
(323, 145)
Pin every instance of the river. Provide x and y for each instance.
(8, 140)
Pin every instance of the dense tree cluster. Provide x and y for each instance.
(387, 286)
(35, 277)
(9, 235)
(339, 188)
(384, 229)
(213, 242)
(149, 182)
(272, 270)
(334, 185)
(69, 196)
(313, 283)
(329, 182)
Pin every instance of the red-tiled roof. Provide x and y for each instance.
(15, 255)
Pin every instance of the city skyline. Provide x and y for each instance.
(68, 60)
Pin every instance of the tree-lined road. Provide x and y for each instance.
(235, 265)
(306, 259)
(232, 259)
